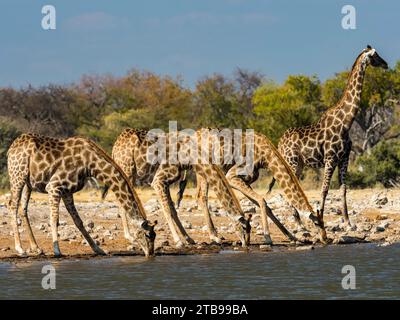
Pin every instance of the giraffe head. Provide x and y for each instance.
(243, 229)
(318, 221)
(145, 236)
(371, 57)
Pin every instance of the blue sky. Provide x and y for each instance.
(191, 38)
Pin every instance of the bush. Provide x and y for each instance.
(7, 135)
(381, 165)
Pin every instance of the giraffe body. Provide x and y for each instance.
(60, 167)
(327, 143)
(211, 175)
(265, 156)
(130, 151)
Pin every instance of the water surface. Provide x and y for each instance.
(314, 274)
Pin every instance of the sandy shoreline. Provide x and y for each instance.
(375, 214)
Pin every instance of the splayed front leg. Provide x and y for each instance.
(298, 220)
(125, 225)
(203, 200)
(69, 204)
(13, 205)
(161, 181)
(54, 200)
(34, 248)
(237, 183)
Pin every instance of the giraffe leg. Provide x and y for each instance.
(342, 181)
(26, 195)
(257, 199)
(297, 168)
(130, 169)
(328, 172)
(69, 204)
(203, 199)
(238, 184)
(16, 191)
(164, 176)
(54, 201)
(125, 225)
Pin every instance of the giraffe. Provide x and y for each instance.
(60, 167)
(327, 143)
(264, 156)
(131, 150)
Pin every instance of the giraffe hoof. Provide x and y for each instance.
(268, 240)
(303, 229)
(216, 239)
(179, 244)
(21, 252)
(100, 252)
(36, 251)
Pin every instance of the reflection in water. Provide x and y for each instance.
(293, 275)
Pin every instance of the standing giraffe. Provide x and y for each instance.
(60, 167)
(131, 151)
(327, 143)
(265, 156)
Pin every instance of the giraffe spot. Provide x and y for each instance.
(48, 158)
(63, 175)
(86, 154)
(107, 170)
(72, 176)
(42, 166)
(115, 179)
(124, 196)
(33, 168)
(38, 157)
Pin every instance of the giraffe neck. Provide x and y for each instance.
(282, 172)
(349, 104)
(106, 171)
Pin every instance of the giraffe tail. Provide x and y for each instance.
(104, 192)
(271, 185)
(182, 186)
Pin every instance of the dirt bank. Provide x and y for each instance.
(375, 215)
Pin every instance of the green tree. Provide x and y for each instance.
(296, 103)
(382, 166)
(7, 135)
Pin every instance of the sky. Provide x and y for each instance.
(190, 38)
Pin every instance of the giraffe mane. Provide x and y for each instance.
(337, 104)
(116, 166)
